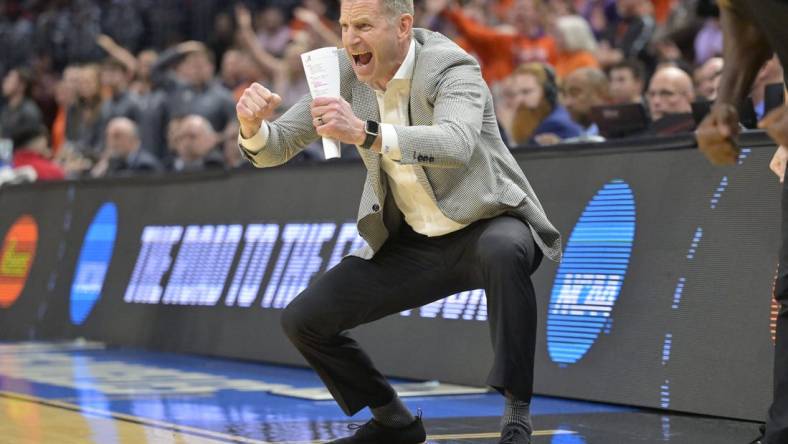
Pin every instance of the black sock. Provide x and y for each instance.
(394, 414)
(517, 412)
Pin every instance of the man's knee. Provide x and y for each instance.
(297, 320)
(503, 247)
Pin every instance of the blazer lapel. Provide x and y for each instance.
(365, 103)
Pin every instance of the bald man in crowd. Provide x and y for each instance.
(124, 154)
(582, 90)
(670, 92)
(196, 145)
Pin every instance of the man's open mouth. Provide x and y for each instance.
(362, 59)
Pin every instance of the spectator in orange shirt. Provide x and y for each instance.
(65, 96)
(576, 45)
(499, 52)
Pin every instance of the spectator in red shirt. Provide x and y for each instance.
(31, 148)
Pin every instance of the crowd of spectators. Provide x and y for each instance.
(96, 88)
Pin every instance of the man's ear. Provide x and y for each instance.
(405, 25)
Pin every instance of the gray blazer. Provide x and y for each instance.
(454, 143)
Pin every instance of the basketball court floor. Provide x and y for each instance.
(82, 392)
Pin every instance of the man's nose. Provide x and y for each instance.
(351, 37)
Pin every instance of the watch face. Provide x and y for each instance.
(372, 127)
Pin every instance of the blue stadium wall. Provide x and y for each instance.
(664, 298)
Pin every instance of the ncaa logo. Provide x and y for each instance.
(591, 274)
(93, 262)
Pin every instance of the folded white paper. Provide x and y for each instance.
(322, 73)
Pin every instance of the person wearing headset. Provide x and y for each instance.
(539, 118)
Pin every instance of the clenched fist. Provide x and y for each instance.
(256, 105)
(333, 117)
(717, 133)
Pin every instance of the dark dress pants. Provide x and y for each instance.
(409, 271)
(777, 422)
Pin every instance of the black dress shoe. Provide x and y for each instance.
(515, 434)
(374, 432)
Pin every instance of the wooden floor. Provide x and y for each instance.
(26, 419)
(85, 394)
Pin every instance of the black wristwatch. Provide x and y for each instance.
(372, 129)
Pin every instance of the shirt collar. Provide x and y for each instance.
(405, 71)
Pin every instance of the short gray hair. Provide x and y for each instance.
(395, 8)
(576, 33)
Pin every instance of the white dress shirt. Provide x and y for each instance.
(420, 210)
